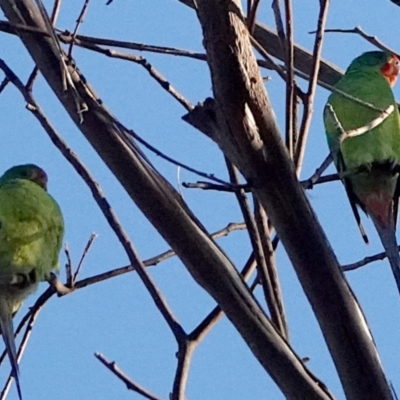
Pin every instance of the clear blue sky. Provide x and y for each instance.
(117, 317)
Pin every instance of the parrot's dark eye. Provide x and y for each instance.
(24, 174)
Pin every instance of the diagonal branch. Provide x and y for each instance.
(312, 85)
(249, 136)
(103, 204)
(166, 210)
(260, 254)
(371, 39)
(130, 384)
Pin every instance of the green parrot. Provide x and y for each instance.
(31, 232)
(368, 162)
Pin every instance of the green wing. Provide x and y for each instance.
(31, 229)
(369, 163)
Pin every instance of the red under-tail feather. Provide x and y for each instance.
(380, 209)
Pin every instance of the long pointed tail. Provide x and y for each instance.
(388, 238)
(7, 332)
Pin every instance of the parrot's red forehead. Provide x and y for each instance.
(39, 176)
(391, 69)
(40, 173)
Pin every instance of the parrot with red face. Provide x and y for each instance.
(368, 162)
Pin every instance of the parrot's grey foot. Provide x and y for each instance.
(22, 281)
(395, 167)
(348, 173)
(18, 280)
(60, 288)
(365, 168)
(390, 165)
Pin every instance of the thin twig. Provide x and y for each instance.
(371, 39)
(151, 261)
(258, 250)
(59, 287)
(323, 179)
(252, 14)
(55, 11)
(89, 243)
(365, 261)
(35, 71)
(154, 73)
(316, 176)
(309, 100)
(68, 266)
(21, 350)
(130, 384)
(173, 161)
(269, 276)
(67, 38)
(309, 183)
(391, 384)
(91, 43)
(43, 298)
(186, 350)
(306, 183)
(184, 356)
(68, 82)
(279, 22)
(271, 64)
(79, 21)
(4, 83)
(218, 187)
(290, 92)
(249, 6)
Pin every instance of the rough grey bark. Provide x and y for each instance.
(247, 133)
(249, 136)
(167, 212)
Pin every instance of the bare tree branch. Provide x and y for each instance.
(371, 39)
(256, 240)
(250, 138)
(79, 21)
(166, 211)
(130, 384)
(290, 131)
(270, 279)
(102, 203)
(308, 104)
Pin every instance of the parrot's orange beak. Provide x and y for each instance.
(391, 70)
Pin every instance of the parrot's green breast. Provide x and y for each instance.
(379, 144)
(31, 229)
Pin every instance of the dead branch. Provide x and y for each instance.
(130, 384)
(166, 211)
(250, 138)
